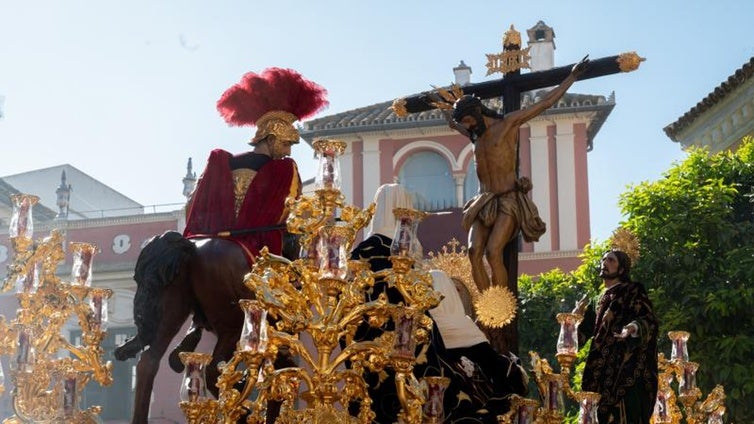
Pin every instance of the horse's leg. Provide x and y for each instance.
(188, 344)
(176, 309)
(226, 345)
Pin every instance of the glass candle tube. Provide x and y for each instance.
(98, 305)
(21, 222)
(568, 339)
(661, 412)
(554, 393)
(81, 271)
(588, 406)
(524, 410)
(433, 408)
(679, 350)
(25, 354)
(328, 166)
(28, 282)
(404, 345)
(687, 382)
(405, 242)
(333, 252)
(194, 385)
(254, 332)
(70, 401)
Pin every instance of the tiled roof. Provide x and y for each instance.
(375, 117)
(380, 116)
(733, 82)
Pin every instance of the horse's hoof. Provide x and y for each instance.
(129, 349)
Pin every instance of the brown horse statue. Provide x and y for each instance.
(177, 277)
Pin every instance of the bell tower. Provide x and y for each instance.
(541, 47)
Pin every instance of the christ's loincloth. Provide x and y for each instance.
(486, 207)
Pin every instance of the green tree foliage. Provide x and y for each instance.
(696, 227)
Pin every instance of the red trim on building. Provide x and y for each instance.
(524, 158)
(388, 147)
(553, 227)
(117, 243)
(583, 232)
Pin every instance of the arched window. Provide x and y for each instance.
(427, 176)
(470, 183)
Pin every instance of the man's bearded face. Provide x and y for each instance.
(279, 148)
(474, 124)
(609, 267)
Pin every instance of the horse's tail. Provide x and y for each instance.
(157, 266)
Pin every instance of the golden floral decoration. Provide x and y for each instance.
(629, 61)
(496, 307)
(455, 262)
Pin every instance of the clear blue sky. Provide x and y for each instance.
(126, 90)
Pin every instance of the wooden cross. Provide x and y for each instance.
(510, 87)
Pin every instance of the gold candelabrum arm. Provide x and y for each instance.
(232, 402)
(415, 287)
(32, 399)
(379, 348)
(8, 337)
(374, 310)
(89, 359)
(409, 393)
(23, 248)
(33, 338)
(294, 343)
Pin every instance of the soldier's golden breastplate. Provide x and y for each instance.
(241, 181)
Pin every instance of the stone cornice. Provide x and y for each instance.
(538, 256)
(106, 222)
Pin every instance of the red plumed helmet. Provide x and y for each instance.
(273, 101)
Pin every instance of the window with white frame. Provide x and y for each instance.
(428, 177)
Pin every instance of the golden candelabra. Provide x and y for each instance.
(553, 387)
(679, 368)
(48, 373)
(311, 309)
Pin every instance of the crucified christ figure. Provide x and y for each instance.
(501, 208)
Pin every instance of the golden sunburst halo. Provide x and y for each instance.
(495, 307)
(626, 241)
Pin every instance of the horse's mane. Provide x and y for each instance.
(157, 265)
